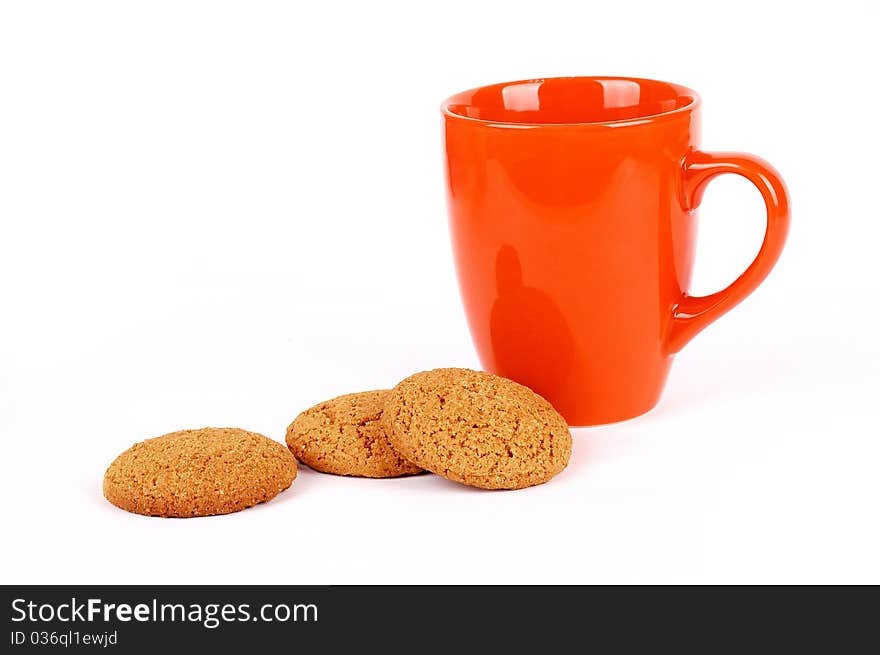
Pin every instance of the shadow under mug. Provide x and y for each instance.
(572, 209)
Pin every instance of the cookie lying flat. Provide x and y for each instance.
(199, 473)
(345, 436)
(476, 428)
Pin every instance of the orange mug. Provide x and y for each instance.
(572, 210)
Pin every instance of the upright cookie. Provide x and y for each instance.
(199, 473)
(476, 428)
(345, 436)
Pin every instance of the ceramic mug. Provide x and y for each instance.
(572, 209)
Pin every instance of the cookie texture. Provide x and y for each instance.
(477, 428)
(199, 473)
(345, 436)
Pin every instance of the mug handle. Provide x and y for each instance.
(693, 313)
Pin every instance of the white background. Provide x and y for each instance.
(218, 213)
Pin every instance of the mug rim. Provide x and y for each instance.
(695, 102)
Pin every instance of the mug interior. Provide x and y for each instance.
(568, 100)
